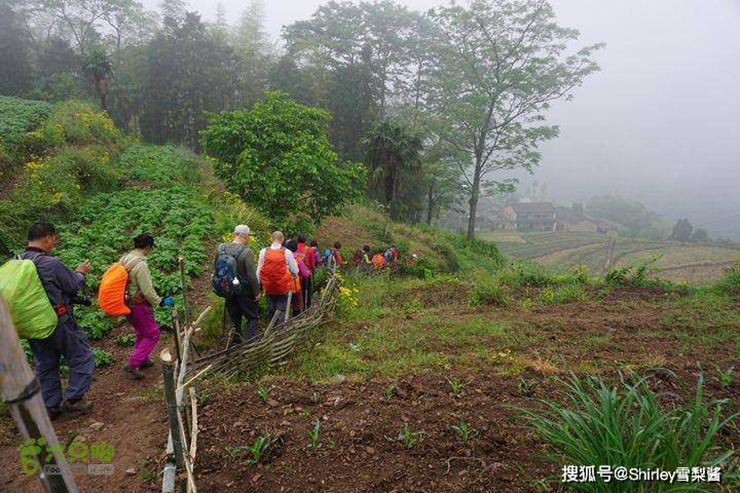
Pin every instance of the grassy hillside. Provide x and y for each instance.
(694, 263)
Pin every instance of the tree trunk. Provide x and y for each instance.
(474, 192)
(430, 204)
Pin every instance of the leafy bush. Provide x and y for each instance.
(102, 357)
(278, 157)
(52, 188)
(626, 426)
(74, 123)
(488, 291)
(730, 281)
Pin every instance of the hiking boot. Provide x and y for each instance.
(147, 363)
(80, 406)
(133, 373)
(53, 412)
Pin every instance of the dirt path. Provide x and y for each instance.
(134, 421)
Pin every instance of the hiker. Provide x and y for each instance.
(305, 253)
(378, 260)
(276, 269)
(298, 300)
(334, 255)
(317, 260)
(391, 256)
(68, 339)
(141, 299)
(365, 262)
(242, 302)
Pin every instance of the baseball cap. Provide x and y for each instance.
(242, 230)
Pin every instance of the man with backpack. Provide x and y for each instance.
(276, 271)
(67, 339)
(235, 280)
(142, 298)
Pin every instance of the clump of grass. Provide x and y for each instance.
(465, 431)
(626, 426)
(264, 392)
(526, 387)
(730, 282)
(725, 376)
(567, 293)
(255, 452)
(408, 437)
(457, 387)
(488, 292)
(315, 435)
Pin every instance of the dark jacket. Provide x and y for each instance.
(245, 267)
(60, 283)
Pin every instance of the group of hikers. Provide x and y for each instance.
(367, 260)
(283, 271)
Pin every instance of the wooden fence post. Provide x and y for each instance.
(22, 393)
(168, 371)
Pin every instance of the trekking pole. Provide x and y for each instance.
(41, 453)
(287, 306)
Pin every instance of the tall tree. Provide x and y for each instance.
(16, 73)
(682, 230)
(99, 69)
(254, 51)
(499, 64)
(392, 151)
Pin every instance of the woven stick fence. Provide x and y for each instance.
(277, 342)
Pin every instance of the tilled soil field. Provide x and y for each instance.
(361, 447)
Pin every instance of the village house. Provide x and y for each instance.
(571, 219)
(530, 216)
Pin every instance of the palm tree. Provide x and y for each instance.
(99, 69)
(391, 152)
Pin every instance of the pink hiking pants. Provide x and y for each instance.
(147, 333)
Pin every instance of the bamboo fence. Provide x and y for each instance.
(277, 342)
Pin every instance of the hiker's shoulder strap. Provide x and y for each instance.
(131, 264)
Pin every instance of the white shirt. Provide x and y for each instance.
(289, 258)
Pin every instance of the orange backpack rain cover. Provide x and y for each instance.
(112, 292)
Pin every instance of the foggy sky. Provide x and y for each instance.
(660, 123)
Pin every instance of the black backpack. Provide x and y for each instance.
(226, 273)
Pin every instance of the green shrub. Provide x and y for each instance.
(75, 123)
(626, 426)
(730, 281)
(568, 293)
(488, 291)
(421, 268)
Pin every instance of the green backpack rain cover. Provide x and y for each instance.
(24, 295)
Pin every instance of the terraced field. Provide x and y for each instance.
(563, 250)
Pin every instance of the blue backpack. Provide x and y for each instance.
(226, 282)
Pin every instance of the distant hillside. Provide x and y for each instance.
(696, 263)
